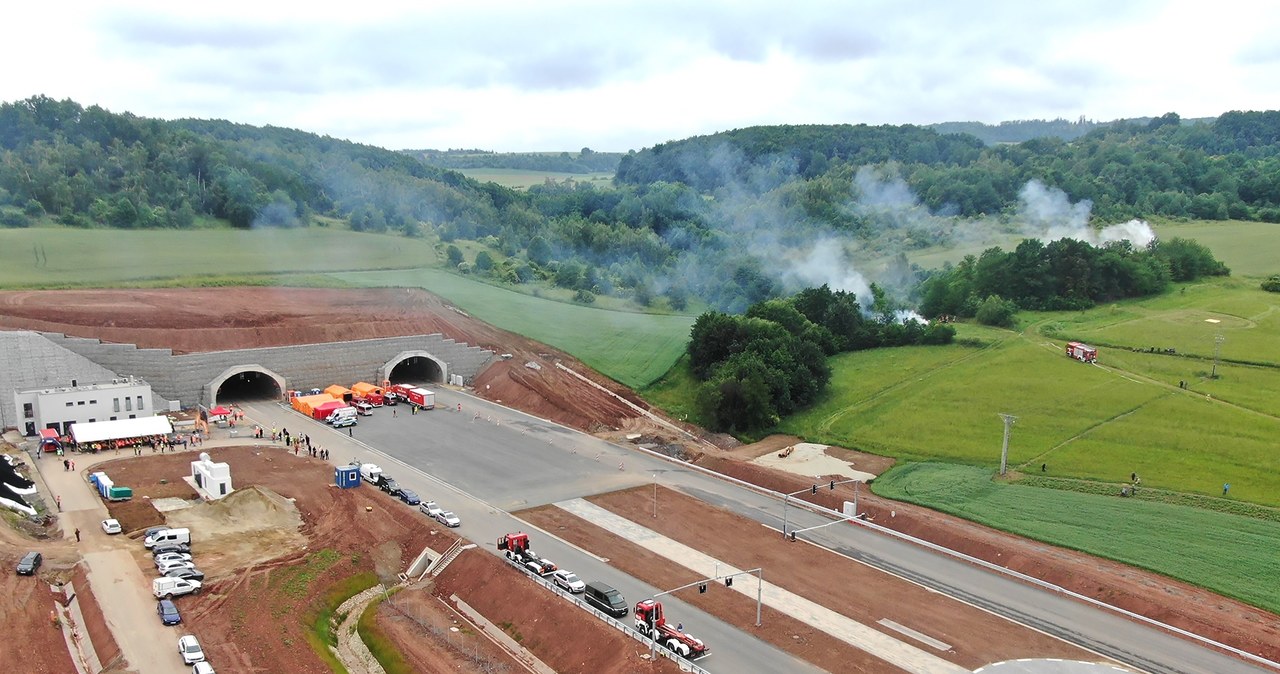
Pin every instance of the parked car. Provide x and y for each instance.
(166, 567)
(202, 668)
(430, 509)
(568, 580)
(344, 422)
(168, 612)
(363, 408)
(389, 485)
(151, 531)
(186, 573)
(190, 649)
(409, 497)
(172, 557)
(170, 547)
(166, 587)
(111, 526)
(448, 519)
(30, 563)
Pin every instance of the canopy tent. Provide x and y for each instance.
(98, 431)
(219, 411)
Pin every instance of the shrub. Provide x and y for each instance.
(1272, 284)
(996, 311)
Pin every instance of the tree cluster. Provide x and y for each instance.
(770, 362)
(584, 161)
(1228, 167)
(1064, 274)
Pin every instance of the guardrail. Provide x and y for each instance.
(684, 664)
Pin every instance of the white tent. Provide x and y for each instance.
(98, 431)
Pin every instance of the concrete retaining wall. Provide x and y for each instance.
(187, 377)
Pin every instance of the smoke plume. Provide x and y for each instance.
(1049, 215)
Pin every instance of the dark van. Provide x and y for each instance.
(605, 598)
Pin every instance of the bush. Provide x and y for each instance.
(1272, 284)
(996, 311)
(584, 297)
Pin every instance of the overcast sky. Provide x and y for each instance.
(549, 75)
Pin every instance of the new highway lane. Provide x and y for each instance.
(512, 461)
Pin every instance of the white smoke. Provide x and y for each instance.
(904, 315)
(827, 262)
(1049, 215)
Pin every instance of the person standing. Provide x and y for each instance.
(77, 534)
(58, 499)
(1226, 487)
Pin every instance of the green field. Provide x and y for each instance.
(51, 257)
(1229, 554)
(1128, 414)
(632, 348)
(523, 179)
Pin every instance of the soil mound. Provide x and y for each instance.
(249, 509)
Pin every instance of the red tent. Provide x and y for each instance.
(219, 411)
(324, 409)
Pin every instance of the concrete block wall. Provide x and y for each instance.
(29, 361)
(184, 377)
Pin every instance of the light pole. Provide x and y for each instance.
(1217, 351)
(1004, 449)
(655, 496)
(786, 498)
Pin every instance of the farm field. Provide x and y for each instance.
(523, 179)
(632, 348)
(1221, 552)
(52, 257)
(1103, 422)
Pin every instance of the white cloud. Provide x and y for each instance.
(617, 76)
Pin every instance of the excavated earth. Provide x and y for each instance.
(214, 319)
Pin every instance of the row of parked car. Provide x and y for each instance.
(388, 484)
(171, 552)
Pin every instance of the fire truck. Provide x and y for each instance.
(651, 623)
(1082, 352)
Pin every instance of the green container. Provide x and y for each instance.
(119, 493)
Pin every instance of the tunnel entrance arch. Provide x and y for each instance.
(414, 367)
(242, 383)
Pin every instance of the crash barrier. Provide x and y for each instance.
(812, 507)
(684, 664)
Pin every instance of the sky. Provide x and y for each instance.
(615, 76)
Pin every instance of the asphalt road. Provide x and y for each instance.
(510, 461)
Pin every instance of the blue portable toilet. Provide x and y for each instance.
(347, 477)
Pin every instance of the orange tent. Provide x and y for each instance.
(339, 392)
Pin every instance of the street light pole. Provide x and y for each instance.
(655, 496)
(1217, 350)
(1004, 449)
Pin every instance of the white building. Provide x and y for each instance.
(212, 480)
(61, 407)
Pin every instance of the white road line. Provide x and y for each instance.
(852, 632)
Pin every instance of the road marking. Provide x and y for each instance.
(918, 636)
(848, 630)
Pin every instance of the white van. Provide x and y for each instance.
(341, 413)
(168, 588)
(363, 408)
(167, 536)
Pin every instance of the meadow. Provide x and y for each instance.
(1228, 554)
(523, 179)
(1100, 422)
(55, 258)
(632, 348)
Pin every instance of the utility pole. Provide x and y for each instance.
(1004, 449)
(1217, 351)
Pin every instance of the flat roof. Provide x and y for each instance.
(98, 431)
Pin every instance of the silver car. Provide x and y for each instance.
(448, 519)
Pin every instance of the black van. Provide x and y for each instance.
(605, 598)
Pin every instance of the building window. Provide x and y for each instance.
(139, 403)
(116, 406)
(80, 402)
(69, 403)
(113, 418)
(128, 403)
(93, 402)
(92, 420)
(133, 416)
(28, 411)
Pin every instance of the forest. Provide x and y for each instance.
(731, 219)
(585, 160)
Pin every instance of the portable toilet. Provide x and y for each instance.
(104, 486)
(347, 477)
(94, 478)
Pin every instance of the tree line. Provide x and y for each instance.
(1062, 275)
(1228, 167)
(585, 160)
(771, 361)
